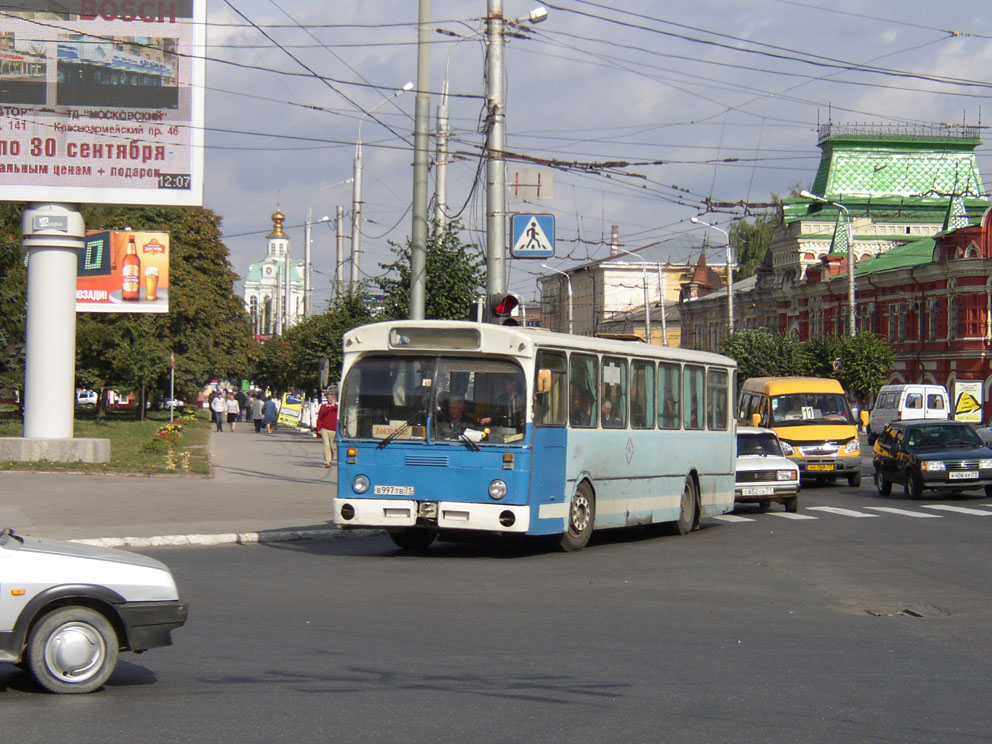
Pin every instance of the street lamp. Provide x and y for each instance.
(307, 286)
(730, 271)
(852, 326)
(356, 193)
(569, 280)
(647, 303)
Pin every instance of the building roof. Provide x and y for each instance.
(255, 270)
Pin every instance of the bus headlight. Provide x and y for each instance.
(497, 489)
(360, 484)
(788, 449)
(851, 447)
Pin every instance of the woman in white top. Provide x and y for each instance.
(233, 410)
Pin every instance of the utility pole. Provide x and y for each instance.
(494, 152)
(422, 115)
(339, 250)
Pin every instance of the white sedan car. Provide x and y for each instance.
(764, 474)
(66, 610)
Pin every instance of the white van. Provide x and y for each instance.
(904, 402)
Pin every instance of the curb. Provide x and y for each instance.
(224, 538)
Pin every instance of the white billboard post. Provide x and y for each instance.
(101, 101)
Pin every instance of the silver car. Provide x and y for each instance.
(66, 610)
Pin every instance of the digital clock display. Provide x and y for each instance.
(174, 181)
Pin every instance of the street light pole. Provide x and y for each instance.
(569, 280)
(647, 303)
(852, 325)
(306, 244)
(421, 123)
(730, 271)
(356, 191)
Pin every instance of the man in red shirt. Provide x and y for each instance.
(327, 426)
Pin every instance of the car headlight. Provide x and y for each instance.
(985, 464)
(497, 489)
(853, 446)
(787, 475)
(932, 466)
(360, 484)
(787, 448)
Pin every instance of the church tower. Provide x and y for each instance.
(273, 303)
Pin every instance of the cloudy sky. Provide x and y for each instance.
(704, 101)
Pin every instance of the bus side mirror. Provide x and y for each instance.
(864, 418)
(755, 419)
(544, 380)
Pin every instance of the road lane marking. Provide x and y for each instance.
(790, 515)
(733, 518)
(904, 512)
(958, 509)
(841, 512)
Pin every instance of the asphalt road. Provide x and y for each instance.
(768, 628)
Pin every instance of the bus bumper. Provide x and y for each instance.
(445, 515)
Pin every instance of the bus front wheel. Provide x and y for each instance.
(412, 538)
(581, 517)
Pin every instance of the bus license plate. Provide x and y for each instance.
(758, 491)
(393, 490)
(820, 466)
(962, 474)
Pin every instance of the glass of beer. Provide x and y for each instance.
(151, 283)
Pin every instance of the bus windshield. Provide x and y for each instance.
(448, 399)
(799, 409)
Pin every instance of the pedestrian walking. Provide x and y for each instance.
(218, 407)
(269, 413)
(233, 411)
(327, 425)
(257, 403)
(242, 402)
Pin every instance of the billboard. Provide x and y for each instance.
(101, 101)
(123, 272)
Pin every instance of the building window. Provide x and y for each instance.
(932, 319)
(952, 318)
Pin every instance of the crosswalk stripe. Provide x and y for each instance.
(958, 509)
(903, 512)
(790, 515)
(733, 518)
(841, 512)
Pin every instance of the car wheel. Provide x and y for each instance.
(412, 538)
(791, 504)
(72, 650)
(688, 510)
(581, 519)
(854, 480)
(913, 487)
(882, 484)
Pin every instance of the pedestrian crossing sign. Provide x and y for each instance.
(533, 236)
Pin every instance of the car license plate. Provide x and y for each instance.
(758, 491)
(962, 474)
(820, 466)
(393, 490)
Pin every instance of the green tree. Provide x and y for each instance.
(13, 291)
(454, 276)
(865, 363)
(761, 354)
(817, 357)
(751, 241)
(139, 355)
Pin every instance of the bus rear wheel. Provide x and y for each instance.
(412, 538)
(688, 509)
(581, 518)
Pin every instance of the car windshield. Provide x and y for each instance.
(800, 409)
(941, 436)
(762, 444)
(450, 399)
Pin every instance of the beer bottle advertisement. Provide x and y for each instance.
(123, 272)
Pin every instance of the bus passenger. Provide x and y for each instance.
(582, 413)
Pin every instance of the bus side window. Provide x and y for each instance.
(583, 384)
(716, 399)
(613, 402)
(669, 395)
(694, 394)
(550, 408)
(642, 395)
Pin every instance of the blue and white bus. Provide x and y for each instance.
(449, 425)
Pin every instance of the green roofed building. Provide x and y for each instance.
(273, 303)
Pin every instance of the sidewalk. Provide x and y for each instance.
(265, 488)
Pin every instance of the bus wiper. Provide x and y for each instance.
(472, 445)
(399, 430)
